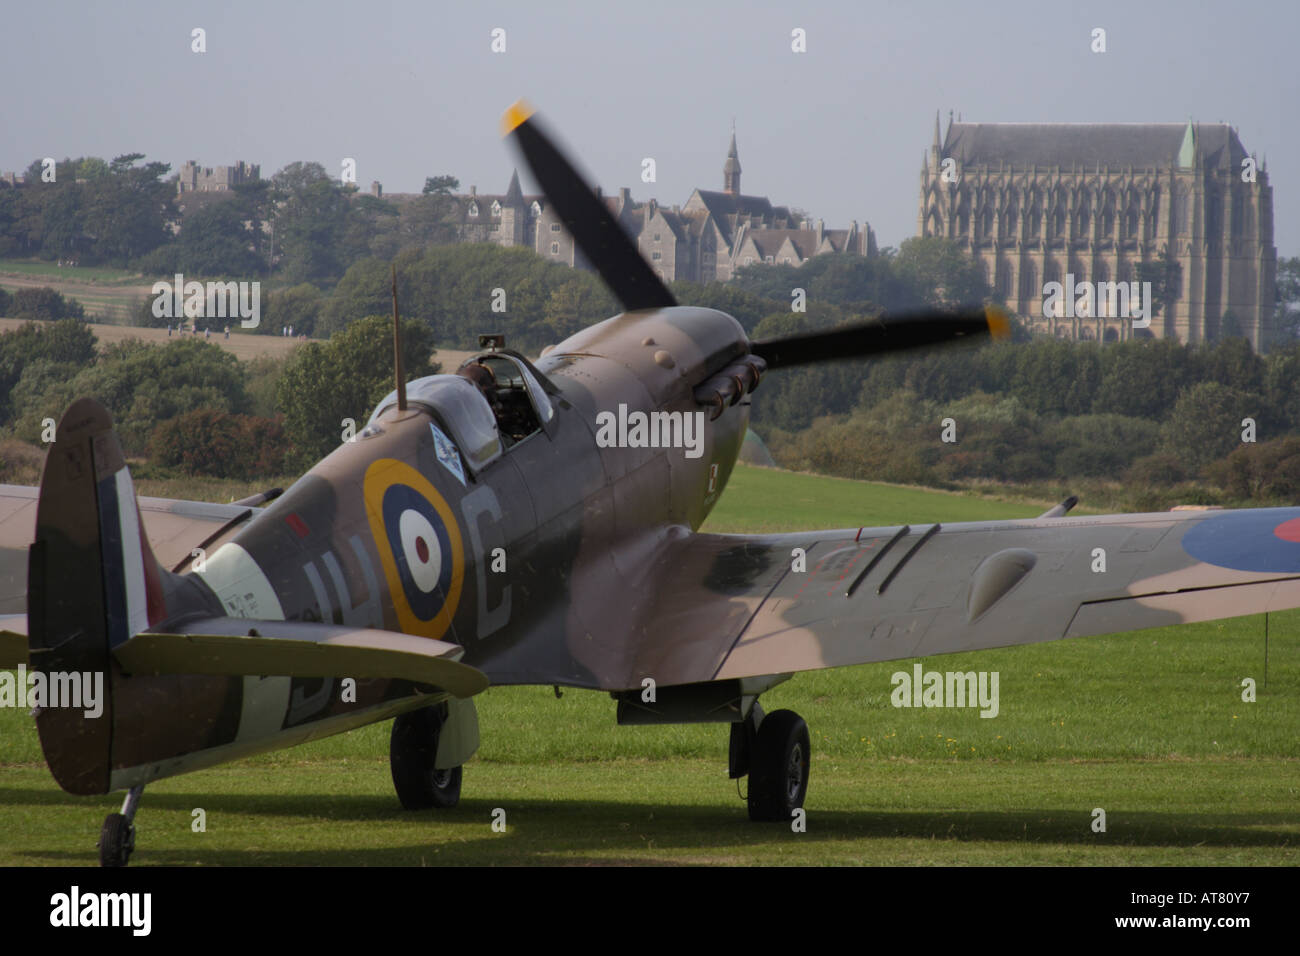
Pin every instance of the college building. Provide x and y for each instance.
(1037, 202)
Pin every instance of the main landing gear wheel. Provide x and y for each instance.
(778, 768)
(117, 837)
(411, 752)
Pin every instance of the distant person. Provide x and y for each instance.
(291, 331)
(207, 333)
(227, 331)
(169, 330)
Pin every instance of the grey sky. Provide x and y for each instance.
(412, 89)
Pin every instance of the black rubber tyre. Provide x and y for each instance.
(411, 751)
(778, 769)
(116, 841)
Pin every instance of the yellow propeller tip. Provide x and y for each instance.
(514, 116)
(999, 322)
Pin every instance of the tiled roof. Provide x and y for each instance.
(1141, 145)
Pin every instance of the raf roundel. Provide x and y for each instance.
(419, 546)
(1264, 541)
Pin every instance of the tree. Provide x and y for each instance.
(143, 384)
(1267, 470)
(1142, 377)
(441, 185)
(940, 273)
(298, 307)
(311, 221)
(210, 442)
(44, 303)
(323, 384)
(1205, 424)
(68, 345)
(215, 242)
(1286, 299)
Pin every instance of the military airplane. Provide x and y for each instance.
(526, 522)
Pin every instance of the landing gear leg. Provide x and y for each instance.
(779, 751)
(117, 838)
(411, 752)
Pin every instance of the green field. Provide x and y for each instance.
(1150, 727)
(107, 294)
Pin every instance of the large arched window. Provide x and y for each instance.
(1082, 215)
(963, 215)
(1108, 215)
(1029, 290)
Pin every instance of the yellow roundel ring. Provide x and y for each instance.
(419, 546)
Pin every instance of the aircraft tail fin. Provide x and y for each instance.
(93, 583)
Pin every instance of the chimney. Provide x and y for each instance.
(473, 190)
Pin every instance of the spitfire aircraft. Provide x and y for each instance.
(527, 522)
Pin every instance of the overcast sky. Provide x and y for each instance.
(414, 89)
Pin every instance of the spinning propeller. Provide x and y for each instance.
(636, 286)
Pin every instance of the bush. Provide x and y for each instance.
(211, 442)
(1158, 470)
(44, 303)
(1270, 470)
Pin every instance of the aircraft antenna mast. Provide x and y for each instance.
(397, 349)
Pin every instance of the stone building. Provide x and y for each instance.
(215, 179)
(705, 240)
(1036, 202)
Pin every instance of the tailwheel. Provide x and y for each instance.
(117, 837)
(412, 750)
(778, 767)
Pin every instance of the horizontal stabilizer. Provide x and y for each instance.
(238, 646)
(13, 641)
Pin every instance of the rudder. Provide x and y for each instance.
(93, 583)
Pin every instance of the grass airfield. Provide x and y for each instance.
(1149, 726)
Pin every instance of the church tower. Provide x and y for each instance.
(731, 169)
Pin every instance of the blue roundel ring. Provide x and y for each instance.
(1265, 540)
(419, 545)
(422, 550)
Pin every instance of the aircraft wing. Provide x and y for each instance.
(239, 646)
(731, 606)
(174, 527)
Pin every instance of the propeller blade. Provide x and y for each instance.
(597, 233)
(884, 334)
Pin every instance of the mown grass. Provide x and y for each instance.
(1151, 727)
(52, 270)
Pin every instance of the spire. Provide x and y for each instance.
(1187, 152)
(731, 168)
(514, 195)
(936, 144)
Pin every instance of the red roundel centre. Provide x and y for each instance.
(422, 550)
(1289, 530)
